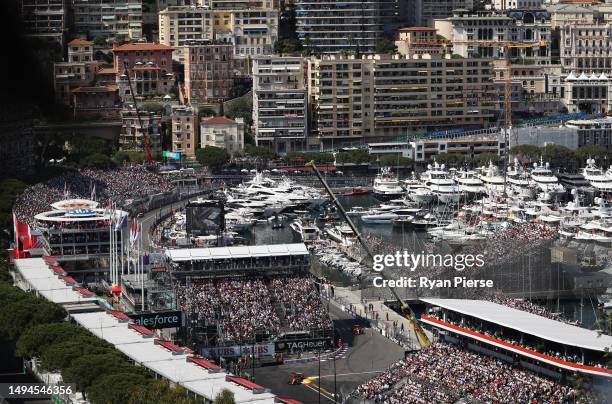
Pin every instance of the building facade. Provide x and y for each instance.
(280, 103)
(418, 41)
(252, 31)
(530, 27)
(45, 19)
(327, 26)
(179, 26)
(427, 11)
(597, 132)
(108, 18)
(209, 72)
(78, 71)
(149, 67)
(378, 97)
(132, 134)
(184, 130)
(222, 132)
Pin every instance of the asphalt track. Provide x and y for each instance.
(368, 354)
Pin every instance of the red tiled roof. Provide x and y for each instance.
(219, 120)
(79, 41)
(106, 70)
(141, 47)
(418, 29)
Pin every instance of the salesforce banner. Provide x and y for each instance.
(160, 319)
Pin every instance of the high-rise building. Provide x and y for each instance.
(328, 26)
(209, 72)
(280, 103)
(184, 130)
(132, 134)
(379, 97)
(179, 26)
(252, 31)
(108, 18)
(45, 19)
(243, 4)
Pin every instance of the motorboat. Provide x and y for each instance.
(469, 183)
(308, 232)
(439, 182)
(545, 182)
(357, 191)
(417, 191)
(518, 181)
(494, 182)
(386, 185)
(341, 234)
(596, 177)
(378, 217)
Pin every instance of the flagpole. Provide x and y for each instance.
(142, 269)
(110, 250)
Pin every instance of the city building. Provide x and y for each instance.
(521, 26)
(378, 97)
(78, 71)
(96, 102)
(467, 146)
(149, 66)
(419, 41)
(184, 130)
(252, 31)
(596, 132)
(131, 136)
(179, 26)
(280, 103)
(502, 5)
(328, 26)
(568, 13)
(586, 48)
(45, 19)
(427, 11)
(107, 18)
(209, 72)
(80, 50)
(222, 132)
(242, 4)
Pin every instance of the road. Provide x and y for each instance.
(367, 356)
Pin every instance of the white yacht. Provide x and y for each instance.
(417, 191)
(596, 177)
(545, 182)
(492, 179)
(341, 234)
(469, 183)
(307, 231)
(239, 220)
(379, 217)
(439, 182)
(386, 185)
(517, 180)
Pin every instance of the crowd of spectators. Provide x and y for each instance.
(117, 185)
(528, 306)
(445, 373)
(244, 308)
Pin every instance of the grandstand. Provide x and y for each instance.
(238, 296)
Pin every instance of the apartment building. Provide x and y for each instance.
(80, 50)
(183, 25)
(427, 11)
(132, 134)
(252, 31)
(209, 72)
(95, 102)
(184, 130)
(223, 132)
(78, 71)
(280, 106)
(503, 5)
(243, 4)
(108, 18)
(45, 19)
(149, 66)
(523, 26)
(597, 132)
(377, 97)
(467, 146)
(328, 26)
(418, 41)
(567, 13)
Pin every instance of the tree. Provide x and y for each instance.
(36, 339)
(100, 41)
(225, 397)
(211, 156)
(451, 159)
(152, 106)
(258, 152)
(25, 311)
(386, 46)
(85, 370)
(287, 46)
(560, 157)
(96, 160)
(116, 387)
(61, 354)
(601, 155)
(159, 392)
(205, 112)
(394, 160)
(353, 157)
(526, 152)
(484, 159)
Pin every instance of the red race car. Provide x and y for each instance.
(357, 329)
(296, 378)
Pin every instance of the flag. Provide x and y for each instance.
(135, 230)
(120, 222)
(93, 193)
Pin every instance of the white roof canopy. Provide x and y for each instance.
(200, 254)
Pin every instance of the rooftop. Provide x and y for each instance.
(142, 47)
(79, 42)
(219, 120)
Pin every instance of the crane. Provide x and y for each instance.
(145, 137)
(407, 312)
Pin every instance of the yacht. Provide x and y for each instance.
(469, 183)
(416, 191)
(493, 181)
(239, 220)
(307, 231)
(545, 182)
(379, 217)
(386, 185)
(437, 179)
(596, 177)
(341, 234)
(518, 181)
